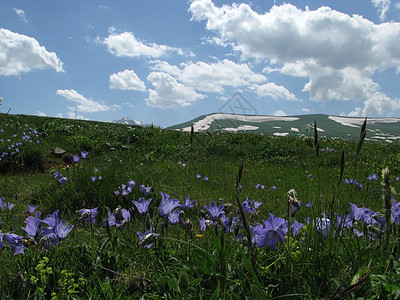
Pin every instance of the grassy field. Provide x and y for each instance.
(220, 223)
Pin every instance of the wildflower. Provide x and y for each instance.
(271, 232)
(372, 176)
(323, 226)
(10, 205)
(15, 242)
(32, 225)
(147, 239)
(294, 202)
(84, 154)
(31, 208)
(142, 205)
(173, 216)
(215, 212)
(118, 217)
(257, 185)
(202, 222)
(246, 205)
(93, 178)
(62, 229)
(2, 203)
(309, 204)
(63, 180)
(198, 176)
(167, 204)
(145, 189)
(310, 176)
(188, 203)
(273, 188)
(51, 219)
(296, 226)
(75, 159)
(205, 178)
(88, 214)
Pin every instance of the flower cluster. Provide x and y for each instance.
(11, 144)
(37, 233)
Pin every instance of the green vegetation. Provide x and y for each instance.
(341, 250)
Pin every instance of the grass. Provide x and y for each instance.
(185, 262)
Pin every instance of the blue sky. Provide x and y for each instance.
(167, 62)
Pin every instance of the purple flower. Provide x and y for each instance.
(167, 205)
(296, 226)
(173, 216)
(15, 242)
(246, 205)
(75, 159)
(57, 174)
(257, 185)
(2, 203)
(63, 180)
(32, 225)
(84, 154)
(118, 217)
(62, 229)
(145, 189)
(215, 211)
(142, 205)
(309, 204)
(31, 208)
(271, 233)
(310, 176)
(188, 203)
(323, 226)
(273, 188)
(88, 214)
(51, 219)
(202, 222)
(10, 205)
(372, 176)
(147, 239)
(205, 178)
(198, 176)
(93, 178)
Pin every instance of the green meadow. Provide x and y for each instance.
(244, 237)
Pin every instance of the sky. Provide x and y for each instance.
(167, 62)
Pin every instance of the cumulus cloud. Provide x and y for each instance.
(21, 14)
(20, 54)
(127, 45)
(212, 77)
(169, 93)
(280, 113)
(82, 104)
(337, 53)
(126, 80)
(274, 91)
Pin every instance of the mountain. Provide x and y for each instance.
(129, 121)
(378, 129)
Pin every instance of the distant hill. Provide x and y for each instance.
(129, 121)
(378, 129)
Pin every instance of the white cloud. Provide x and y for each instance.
(83, 104)
(20, 53)
(212, 77)
(383, 7)
(59, 115)
(126, 80)
(306, 110)
(40, 114)
(21, 14)
(338, 53)
(168, 93)
(126, 45)
(280, 113)
(274, 91)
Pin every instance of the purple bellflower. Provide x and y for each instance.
(188, 203)
(173, 216)
(271, 232)
(145, 189)
(142, 205)
(33, 225)
(215, 211)
(15, 242)
(167, 204)
(147, 239)
(88, 214)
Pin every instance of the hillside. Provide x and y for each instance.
(378, 129)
